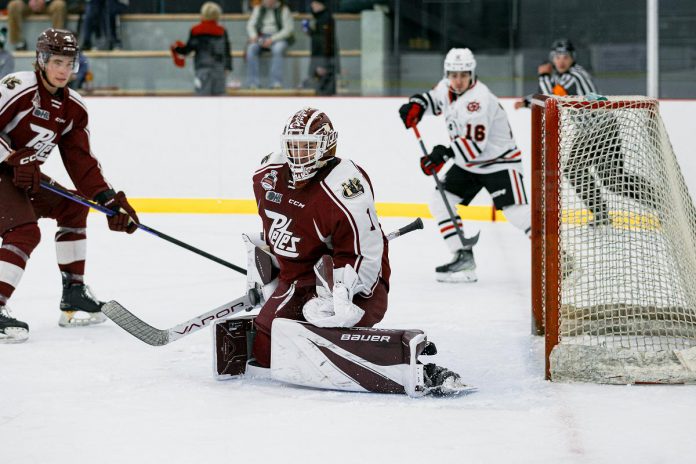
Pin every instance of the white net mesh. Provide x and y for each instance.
(627, 256)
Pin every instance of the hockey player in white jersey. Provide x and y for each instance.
(482, 151)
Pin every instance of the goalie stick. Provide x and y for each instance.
(158, 337)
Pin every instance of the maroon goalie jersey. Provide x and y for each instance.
(333, 214)
(30, 116)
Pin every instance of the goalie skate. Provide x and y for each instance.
(462, 268)
(440, 381)
(12, 330)
(78, 306)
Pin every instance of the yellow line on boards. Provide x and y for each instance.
(227, 206)
(619, 219)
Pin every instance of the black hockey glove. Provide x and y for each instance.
(412, 112)
(432, 163)
(440, 154)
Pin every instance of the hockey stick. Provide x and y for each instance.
(103, 209)
(467, 243)
(415, 225)
(158, 337)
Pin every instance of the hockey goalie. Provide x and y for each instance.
(322, 268)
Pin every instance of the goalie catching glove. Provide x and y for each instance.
(335, 308)
(125, 219)
(432, 163)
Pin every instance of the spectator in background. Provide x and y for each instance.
(17, 10)
(6, 58)
(270, 27)
(102, 19)
(323, 65)
(82, 79)
(209, 40)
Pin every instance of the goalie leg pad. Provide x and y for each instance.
(232, 342)
(348, 359)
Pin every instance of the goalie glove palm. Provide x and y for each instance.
(337, 310)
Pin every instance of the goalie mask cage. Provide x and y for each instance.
(613, 254)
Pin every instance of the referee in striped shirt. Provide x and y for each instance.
(564, 77)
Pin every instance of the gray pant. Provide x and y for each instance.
(210, 81)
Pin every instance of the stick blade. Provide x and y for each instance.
(135, 326)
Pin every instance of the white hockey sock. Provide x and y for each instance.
(520, 217)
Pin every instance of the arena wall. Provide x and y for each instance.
(177, 154)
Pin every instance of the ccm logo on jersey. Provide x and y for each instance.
(283, 241)
(497, 193)
(473, 107)
(365, 338)
(296, 203)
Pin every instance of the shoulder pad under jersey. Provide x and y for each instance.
(348, 181)
(273, 158)
(76, 97)
(15, 83)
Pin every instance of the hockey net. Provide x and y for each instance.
(613, 243)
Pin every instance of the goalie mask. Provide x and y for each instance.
(308, 142)
(56, 42)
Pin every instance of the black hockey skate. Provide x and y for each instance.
(462, 268)
(78, 306)
(440, 381)
(12, 330)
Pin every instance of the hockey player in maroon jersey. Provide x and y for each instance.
(314, 204)
(37, 113)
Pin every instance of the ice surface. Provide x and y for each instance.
(98, 395)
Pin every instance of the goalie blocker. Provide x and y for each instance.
(349, 359)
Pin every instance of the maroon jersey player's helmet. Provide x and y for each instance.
(57, 42)
(308, 142)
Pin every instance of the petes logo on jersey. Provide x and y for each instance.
(282, 240)
(42, 142)
(352, 188)
(473, 106)
(269, 180)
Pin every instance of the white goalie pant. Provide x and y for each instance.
(348, 359)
